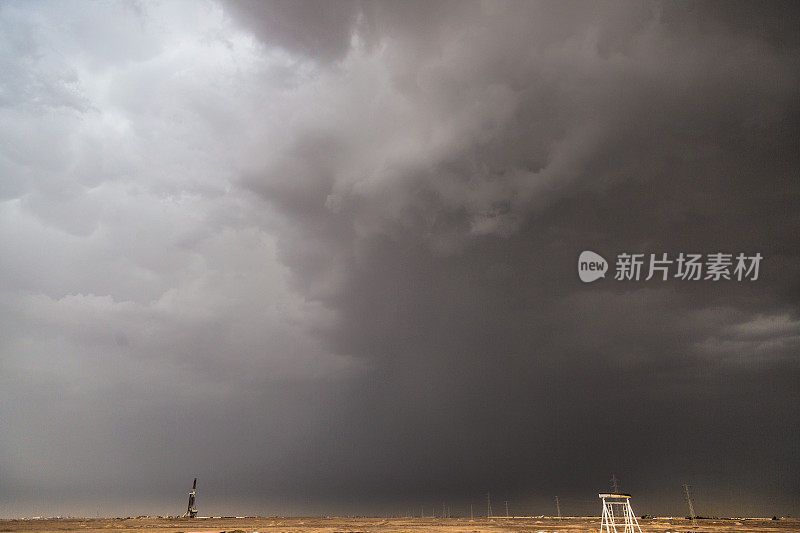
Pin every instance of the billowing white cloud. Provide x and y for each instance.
(137, 277)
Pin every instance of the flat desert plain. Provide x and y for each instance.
(388, 525)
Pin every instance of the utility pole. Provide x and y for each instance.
(614, 484)
(506, 508)
(471, 516)
(488, 505)
(691, 506)
(558, 508)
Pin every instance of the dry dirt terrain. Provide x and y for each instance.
(387, 525)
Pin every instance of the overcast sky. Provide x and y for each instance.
(323, 256)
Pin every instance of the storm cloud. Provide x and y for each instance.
(323, 256)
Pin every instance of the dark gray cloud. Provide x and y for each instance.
(546, 130)
(323, 256)
(318, 30)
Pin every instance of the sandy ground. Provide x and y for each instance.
(388, 525)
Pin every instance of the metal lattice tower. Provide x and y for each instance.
(618, 515)
(691, 505)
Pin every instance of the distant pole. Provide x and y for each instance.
(614, 484)
(471, 516)
(506, 508)
(488, 505)
(691, 506)
(558, 508)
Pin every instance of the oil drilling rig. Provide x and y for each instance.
(191, 511)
